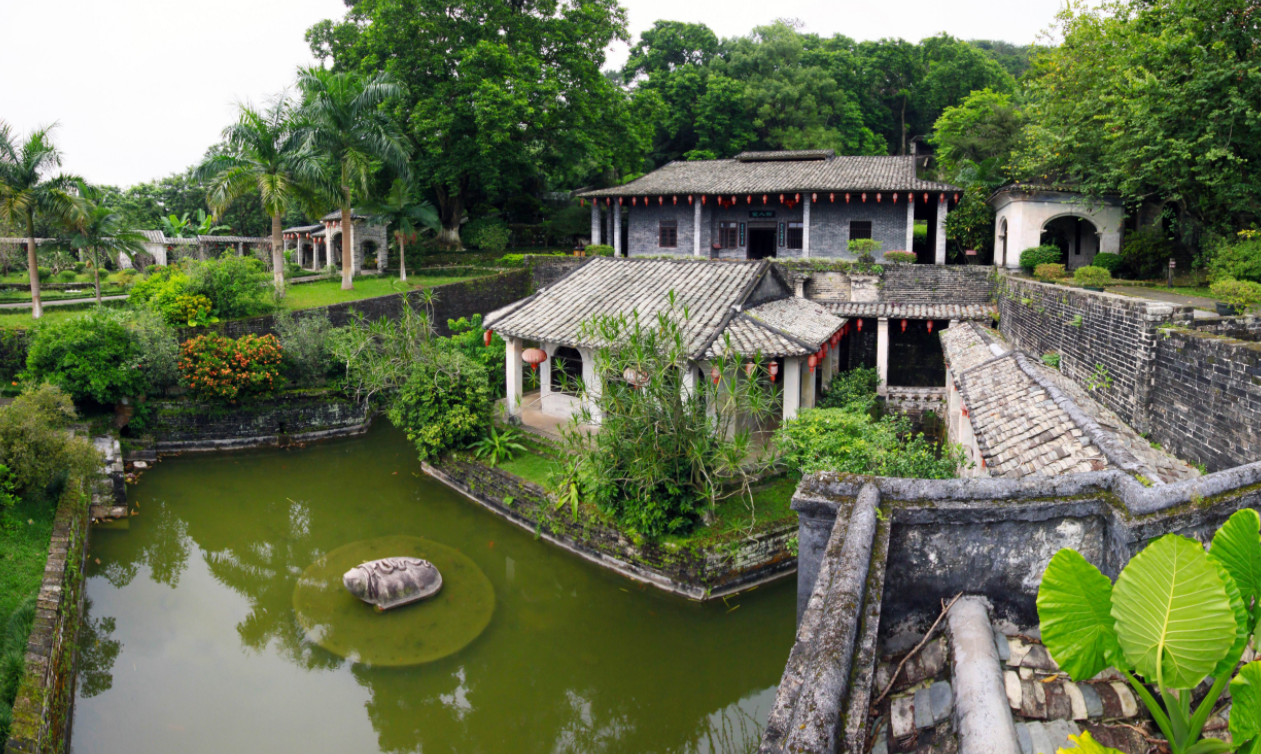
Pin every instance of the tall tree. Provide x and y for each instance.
(985, 126)
(400, 209)
(497, 91)
(28, 195)
(263, 157)
(342, 121)
(102, 232)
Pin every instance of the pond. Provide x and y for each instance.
(193, 644)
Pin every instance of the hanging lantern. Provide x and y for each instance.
(860, 325)
(832, 197)
(715, 375)
(864, 197)
(675, 199)
(749, 368)
(486, 337)
(814, 198)
(702, 198)
(836, 338)
(877, 197)
(930, 325)
(925, 198)
(847, 198)
(734, 200)
(661, 200)
(690, 198)
(582, 202)
(534, 357)
(619, 201)
(813, 361)
(763, 198)
(910, 197)
(635, 377)
(956, 197)
(895, 198)
(797, 197)
(633, 201)
(773, 369)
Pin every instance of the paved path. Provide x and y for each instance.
(1205, 308)
(62, 302)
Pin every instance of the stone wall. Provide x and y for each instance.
(1093, 333)
(545, 270)
(1206, 399)
(724, 565)
(962, 285)
(289, 418)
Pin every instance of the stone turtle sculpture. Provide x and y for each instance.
(391, 582)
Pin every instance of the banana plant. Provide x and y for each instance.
(1175, 616)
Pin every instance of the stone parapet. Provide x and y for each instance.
(286, 419)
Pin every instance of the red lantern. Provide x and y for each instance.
(715, 375)
(797, 197)
(910, 197)
(895, 198)
(864, 197)
(763, 198)
(814, 197)
(956, 196)
(773, 369)
(860, 325)
(661, 200)
(486, 337)
(832, 197)
(633, 201)
(877, 198)
(534, 357)
(749, 368)
(926, 197)
(734, 200)
(847, 198)
(702, 198)
(635, 377)
(813, 361)
(836, 338)
(749, 199)
(903, 325)
(690, 198)
(930, 325)
(676, 199)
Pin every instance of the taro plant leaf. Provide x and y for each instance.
(1237, 545)
(1086, 744)
(1075, 608)
(1173, 618)
(1245, 711)
(1226, 665)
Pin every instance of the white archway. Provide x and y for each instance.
(1022, 212)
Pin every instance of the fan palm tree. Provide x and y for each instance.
(101, 231)
(401, 209)
(341, 120)
(27, 195)
(263, 155)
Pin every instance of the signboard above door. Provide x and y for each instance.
(761, 213)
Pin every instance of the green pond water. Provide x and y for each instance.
(193, 643)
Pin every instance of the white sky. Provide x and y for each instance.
(141, 87)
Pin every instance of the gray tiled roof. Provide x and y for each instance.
(775, 176)
(804, 321)
(303, 228)
(337, 215)
(746, 336)
(852, 309)
(21, 240)
(153, 236)
(964, 348)
(786, 154)
(234, 239)
(610, 287)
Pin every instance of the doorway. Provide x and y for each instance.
(761, 243)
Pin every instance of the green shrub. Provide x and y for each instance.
(1146, 252)
(1240, 260)
(293, 270)
(837, 439)
(43, 273)
(1048, 272)
(66, 276)
(1031, 258)
(864, 249)
(238, 286)
(599, 250)
(493, 237)
(467, 338)
(512, 260)
(192, 310)
(14, 632)
(35, 445)
(900, 257)
(854, 390)
(304, 343)
(80, 267)
(92, 356)
(1110, 262)
(160, 291)
(1095, 277)
(1238, 293)
(445, 403)
(216, 368)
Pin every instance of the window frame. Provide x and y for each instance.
(673, 227)
(795, 236)
(728, 232)
(855, 224)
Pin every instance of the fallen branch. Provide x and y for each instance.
(945, 609)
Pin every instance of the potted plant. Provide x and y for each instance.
(1092, 278)
(1237, 295)
(864, 250)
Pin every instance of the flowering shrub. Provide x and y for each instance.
(900, 257)
(195, 310)
(219, 368)
(1048, 271)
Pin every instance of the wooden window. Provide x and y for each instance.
(794, 235)
(728, 235)
(668, 234)
(859, 229)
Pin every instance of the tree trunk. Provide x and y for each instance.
(402, 260)
(96, 276)
(451, 212)
(37, 308)
(277, 254)
(348, 243)
(903, 126)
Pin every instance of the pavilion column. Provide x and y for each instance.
(910, 223)
(792, 387)
(805, 225)
(545, 373)
(595, 223)
(828, 366)
(617, 227)
(591, 384)
(689, 381)
(512, 372)
(807, 383)
(882, 355)
(696, 226)
(240, 248)
(943, 207)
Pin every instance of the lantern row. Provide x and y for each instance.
(724, 201)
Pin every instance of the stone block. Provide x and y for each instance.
(1111, 702)
(1039, 659)
(942, 700)
(1040, 739)
(1032, 700)
(1076, 700)
(1059, 731)
(1058, 706)
(1026, 741)
(1014, 693)
(1001, 644)
(923, 709)
(902, 716)
(1129, 705)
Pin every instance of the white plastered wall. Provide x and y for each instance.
(1027, 213)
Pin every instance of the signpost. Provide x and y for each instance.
(1172, 264)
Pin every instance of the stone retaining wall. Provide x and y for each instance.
(719, 567)
(285, 419)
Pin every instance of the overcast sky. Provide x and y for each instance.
(141, 87)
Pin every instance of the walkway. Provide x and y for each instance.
(1205, 308)
(63, 302)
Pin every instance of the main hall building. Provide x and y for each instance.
(788, 204)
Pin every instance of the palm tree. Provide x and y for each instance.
(341, 121)
(401, 209)
(26, 195)
(101, 230)
(263, 155)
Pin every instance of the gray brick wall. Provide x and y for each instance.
(937, 284)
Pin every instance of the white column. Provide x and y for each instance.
(595, 223)
(616, 208)
(512, 372)
(828, 366)
(805, 225)
(689, 381)
(545, 373)
(942, 207)
(807, 383)
(240, 249)
(696, 226)
(882, 354)
(910, 224)
(792, 387)
(591, 383)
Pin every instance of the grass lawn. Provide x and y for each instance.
(21, 318)
(325, 292)
(25, 530)
(532, 465)
(771, 502)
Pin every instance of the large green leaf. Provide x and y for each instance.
(1075, 609)
(1245, 710)
(1172, 613)
(1242, 623)
(1237, 545)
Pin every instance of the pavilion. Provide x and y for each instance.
(319, 245)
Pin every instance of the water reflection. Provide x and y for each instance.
(574, 659)
(97, 652)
